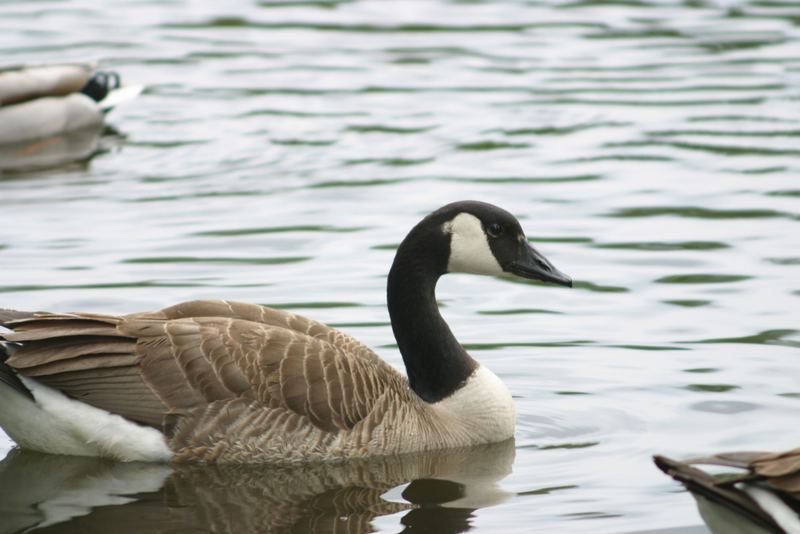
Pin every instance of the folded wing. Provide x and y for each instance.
(173, 368)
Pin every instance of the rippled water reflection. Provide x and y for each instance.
(445, 489)
(283, 149)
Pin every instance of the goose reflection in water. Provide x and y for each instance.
(49, 493)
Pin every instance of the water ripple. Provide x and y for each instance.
(282, 150)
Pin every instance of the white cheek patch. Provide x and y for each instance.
(469, 249)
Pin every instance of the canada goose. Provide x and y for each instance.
(764, 499)
(63, 104)
(220, 381)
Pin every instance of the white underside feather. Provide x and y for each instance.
(776, 508)
(57, 424)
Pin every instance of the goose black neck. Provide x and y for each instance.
(436, 363)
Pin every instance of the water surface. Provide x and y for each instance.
(282, 150)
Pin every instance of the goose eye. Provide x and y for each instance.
(494, 230)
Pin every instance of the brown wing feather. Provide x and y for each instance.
(44, 352)
(315, 376)
(85, 357)
(7, 316)
(184, 360)
(778, 471)
(782, 471)
(227, 358)
(711, 487)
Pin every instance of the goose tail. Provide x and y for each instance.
(8, 378)
(725, 499)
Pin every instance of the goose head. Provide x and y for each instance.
(462, 237)
(488, 240)
(478, 238)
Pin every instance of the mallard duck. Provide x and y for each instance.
(51, 114)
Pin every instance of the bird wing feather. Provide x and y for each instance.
(182, 359)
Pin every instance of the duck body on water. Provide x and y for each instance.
(53, 115)
(39, 101)
(219, 381)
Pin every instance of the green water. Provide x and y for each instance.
(280, 152)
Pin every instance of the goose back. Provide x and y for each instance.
(218, 378)
(20, 84)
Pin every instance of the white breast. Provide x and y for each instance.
(482, 408)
